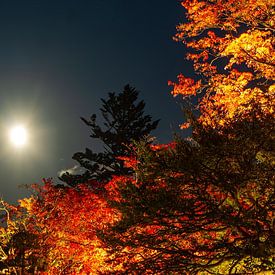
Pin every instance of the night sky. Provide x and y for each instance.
(59, 57)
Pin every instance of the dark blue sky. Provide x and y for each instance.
(59, 57)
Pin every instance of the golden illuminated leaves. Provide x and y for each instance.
(254, 48)
(231, 44)
(227, 105)
(27, 203)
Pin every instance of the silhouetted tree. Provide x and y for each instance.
(124, 121)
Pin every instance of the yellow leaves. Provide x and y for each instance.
(226, 85)
(255, 49)
(26, 203)
(271, 89)
(222, 36)
(221, 108)
(231, 97)
(262, 51)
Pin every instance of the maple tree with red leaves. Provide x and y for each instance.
(66, 221)
(206, 206)
(231, 44)
(202, 205)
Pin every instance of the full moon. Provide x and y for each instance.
(18, 136)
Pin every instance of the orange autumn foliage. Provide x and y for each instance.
(194, 208)
(231, 44)
(205, 204)
(66, 221)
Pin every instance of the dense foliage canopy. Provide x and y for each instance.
(200, 205)
(232, 46)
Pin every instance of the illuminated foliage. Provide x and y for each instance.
(66, 221)
(19, 248)
(206, 205)
(231, 44)
(201, 205)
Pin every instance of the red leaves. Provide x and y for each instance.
(66, 221)
(185, 86)
(156, 147)
(129, 162)
(186, 207)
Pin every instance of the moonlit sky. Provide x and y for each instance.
(59, 57)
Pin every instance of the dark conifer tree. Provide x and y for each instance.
(124, 122)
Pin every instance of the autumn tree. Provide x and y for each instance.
(66, 221)
(232, 46)
(202, 205)
(124, 121)
(206, 205)
(18, 246)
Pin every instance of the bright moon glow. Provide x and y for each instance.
(18, 136)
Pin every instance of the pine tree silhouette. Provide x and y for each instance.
(124, 121)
